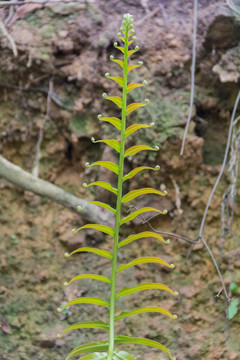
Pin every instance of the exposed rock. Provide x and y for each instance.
(66, 8)
(228, 68)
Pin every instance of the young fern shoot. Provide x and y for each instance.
(106, 350)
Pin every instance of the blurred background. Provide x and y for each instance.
(53, 57)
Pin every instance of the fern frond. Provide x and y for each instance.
(102, 184)
(106, 164)
(143, 310)
(84, 325)
(134, 214)
(116, 122)
(142, 235)
(137, 170)
(103, 253)
(135, 193)
(99, 203)
(85, 300)
(103, 228)
(148, 286)
(145, 260)
(88, 276)
(111, 142)
(137, 148)
(132, 128)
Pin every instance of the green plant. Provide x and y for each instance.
(106, 349)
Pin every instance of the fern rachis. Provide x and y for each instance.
(106, 350)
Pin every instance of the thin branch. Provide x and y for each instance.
(9, 37)
(25, 180)
(195, 13)
(223, 164)
(21, 2)
(35, 169)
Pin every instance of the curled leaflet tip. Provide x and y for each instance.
(66, 253)
(165, 211)
(172, 266)
(157, 167)
(111, 57)
(65, 283)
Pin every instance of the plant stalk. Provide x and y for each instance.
(118, 205)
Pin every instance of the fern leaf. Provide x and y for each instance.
(149, 309)
(117, 79)
(85, 325)
(142, 235)
(106, 164)
(132, 128)
(140, 211)
(137, 148)
(99, 203)
(102, 184)
(95, 346)
(85, 300)
(145, 260)
(89, 276)
(137, 170)
(111, 142)
(103, 228)
(103, 253)
(134, 106)
(120, 339)
(119, 62)
(132, 67)
(135, 193)
(116, 122)
(115, 99)
(133, 86)
(148, 286)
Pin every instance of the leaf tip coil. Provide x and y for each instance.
(136, 48)
(156, 147)
(134, 37)
(111, 57)
(176, 293)
(172, 266)
(87, 164)
(145, 82)
(104, 95)
(65, 283)
(66, 253)
(99, 116)
(115, 44)
(80, 208)
(59, 309)
(165, 211)
(84, 185)
(175, 316)
(119, 35)
(157, 167)
(127, 20)
(168, 241)
(59, 336)
(165, 192)
(106, 75)
(140, 63)
(146, 101)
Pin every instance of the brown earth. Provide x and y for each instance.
(71, 45)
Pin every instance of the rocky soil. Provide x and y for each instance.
(68, 46)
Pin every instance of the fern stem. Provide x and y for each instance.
(118, 205)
